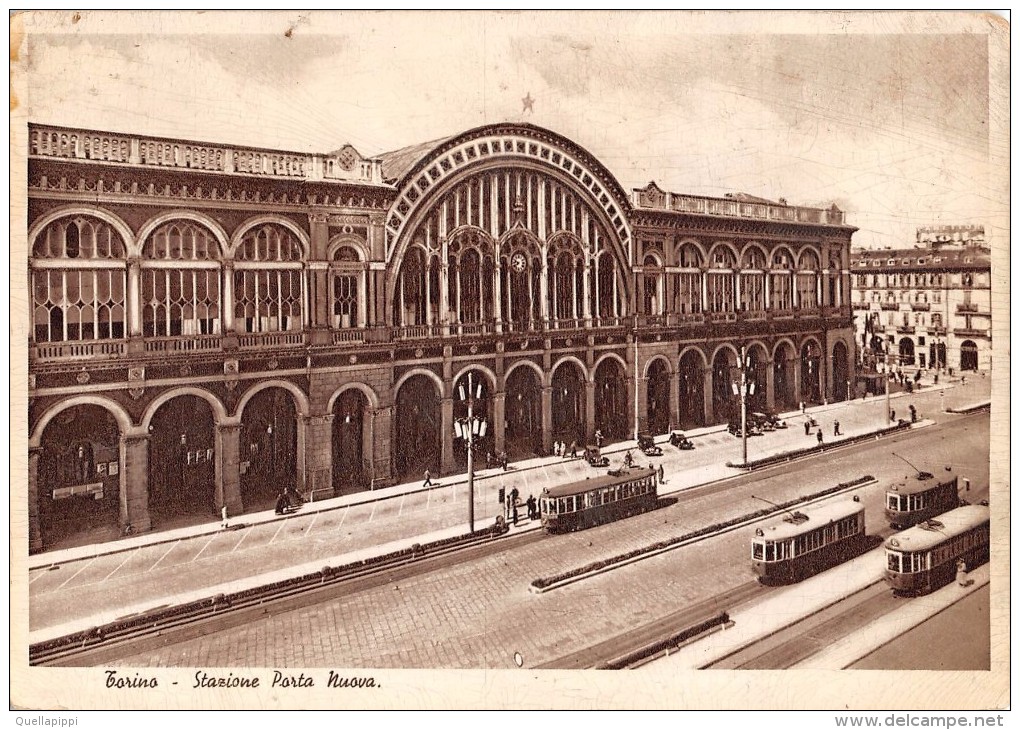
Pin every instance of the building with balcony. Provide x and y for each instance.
(210, 323)
(928, 306)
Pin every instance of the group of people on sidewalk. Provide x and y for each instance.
(512, 504)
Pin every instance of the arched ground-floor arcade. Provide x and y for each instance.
(107, 464)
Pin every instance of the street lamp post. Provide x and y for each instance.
(887, 411)
(744, 389)
(469, 429)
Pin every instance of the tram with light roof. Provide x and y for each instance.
(911, 502)
(924, 558)
(597, 500)
(802, 544)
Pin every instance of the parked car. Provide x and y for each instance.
(681, 441)
(646, 442)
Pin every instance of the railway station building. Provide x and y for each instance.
(928, 306)
(209, 323)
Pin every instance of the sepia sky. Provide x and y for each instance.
(887, 115)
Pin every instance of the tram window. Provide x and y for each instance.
(757, 550)
(770, 552)
(894, 562)
(893, 502)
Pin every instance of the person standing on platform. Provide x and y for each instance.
(807, 428)
(662, 475)
(835, 429)
(819, 436)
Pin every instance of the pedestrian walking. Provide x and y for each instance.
(803, 407)
(223, 514)
(598, 437)
(913, 414)
(488, 459)
(936, 378)
(819, 436)
(428, 480)
(807, 428)
(662, 475)
(835, 429)
(628, 460)
(532, 507)
(892, 416)
(573, 449)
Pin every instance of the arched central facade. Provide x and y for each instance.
(508, 234)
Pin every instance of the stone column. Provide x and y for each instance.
(642, 403)
(707, 394)
(770, 385)
(134, 482)
(498, 424)
(589, 410)
(796, 366)
(447, 463)
(134, 298)
(547, 420)
(315, 435)
(228, 471)
(227, 319)
(35, 541)
(674, 399)
(378, 449)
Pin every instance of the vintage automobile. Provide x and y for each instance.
(594, 456)
(646, 442)
(680, 441)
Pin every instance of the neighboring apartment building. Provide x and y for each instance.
(929, 306)
(210, 323)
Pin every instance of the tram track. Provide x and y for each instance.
(611, 651)
(163, 627)
(805, 638)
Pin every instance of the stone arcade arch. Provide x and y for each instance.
(523, 412)
(725, 405)
(182, 461)
(78, 495)
(658, 397)
(611, 411)
(841, 385)
(349, 435)
(784, 384)
(691, 394)
(568, 403)
(418, 428)
(268, 448)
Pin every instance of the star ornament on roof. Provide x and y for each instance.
(529, 104)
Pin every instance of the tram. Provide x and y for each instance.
(923, 558)
(800, 545)
(597, 500)
(912, 502)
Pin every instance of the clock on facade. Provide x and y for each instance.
(518, 262)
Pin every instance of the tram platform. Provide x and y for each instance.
(81, 587)
(788, 606)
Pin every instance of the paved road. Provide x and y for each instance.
(478, 613)
(154, 574)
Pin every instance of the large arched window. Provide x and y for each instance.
(566, 280)
(654, 285)
(268, 291)
(78, 281)
(808, 281)
(752, 280)
(180, 281)
(721, 281)
(781, 280)
(347, 288)
(688, 288)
